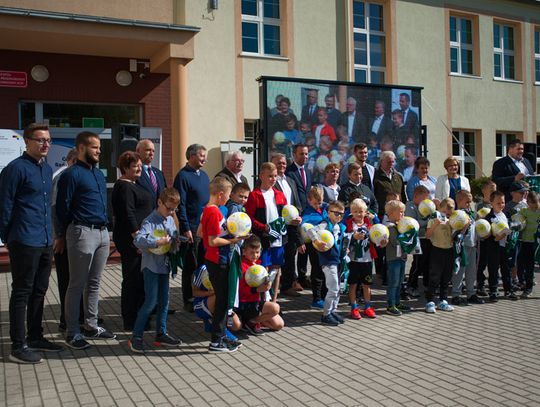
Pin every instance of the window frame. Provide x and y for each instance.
(463, 158)
(502, 51)
(368, 68)
(261, 21)
(506, 136)
(536, 44)
(459, 45)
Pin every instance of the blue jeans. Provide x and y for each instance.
(394, 278)
(156, 291)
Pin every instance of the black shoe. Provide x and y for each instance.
(493, 298)
(403, 308)
(404, 296)
(77, 342)
(475, 299)
(44, 345)
(526, 293)
(232, 342)
(459, 301)
(510, 295)
(136, 345)
(98, 333)
(25, 355)
(481, 292)
(338, 317)
(167, 340)
(329, 320)
(222, 347)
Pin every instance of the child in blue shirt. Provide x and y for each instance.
(154, 239)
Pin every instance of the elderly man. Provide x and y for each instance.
(387, 180)
(151, 179)
(192, 184)
(511, 168)
(234, 164)
(354, 122)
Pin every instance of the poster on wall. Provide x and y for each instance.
(11, 146)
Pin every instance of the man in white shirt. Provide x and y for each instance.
(511, 168)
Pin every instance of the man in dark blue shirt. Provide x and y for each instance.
(26, 228)
(192, 184)
(81, 208)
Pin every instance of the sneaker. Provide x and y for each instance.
(254, 328)
(510, 295)
(98, 333)
(403, 307)
(25, 355)
(404, 296)
(493, 298)
(164, 339)
(44, 345)
(393, 311)
(430, 307)
(444, 306)
(526, 294)
(481, 292)
(338, 317)
(319, 304)
(136, 345)
(232, 342)
(329, 320)
(475, 299)
(355, 313)
(222, 346)
(291, 292)
(413, 292)
(459, 301)
(370, 313)
(77, 342)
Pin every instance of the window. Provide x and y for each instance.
(501, 141)
(537, 56)
(261, 27)
(461, 45)
(463, 149)
(504, 62)
(369, 42)
(250, 130)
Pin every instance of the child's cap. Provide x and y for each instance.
(517, 187)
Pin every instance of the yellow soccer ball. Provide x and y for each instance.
(239, 224)
(304, 232)
(321, 162)
(255, 275)
(327, 238)
(482, 213)
(289, 212)
(482, 228)
(519, 219)
(426, 208)
(458, 219)
(407, 223)
(205, 278)
(499, 228)
(400, 152)
(378, 233)
(159, 233)
(279, 137)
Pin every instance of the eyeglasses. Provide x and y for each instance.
(337, 213)
(238, 160)
(42, 141)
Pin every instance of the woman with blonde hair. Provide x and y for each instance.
(451, 182)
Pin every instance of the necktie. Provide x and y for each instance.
(311, 110)
(303, 175)
(153, 180)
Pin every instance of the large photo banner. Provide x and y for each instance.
(331, 117)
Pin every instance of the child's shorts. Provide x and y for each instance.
(201, 308)
(360, 273)
(246, 311)
(273, 256)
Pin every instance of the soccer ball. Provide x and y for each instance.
(255, 275)
(335, 156)
(499, 228)
(205, 278)
(289, 212)
(327, 238)
(482, 213)
(426, 208)
(482, 228)
(400, 152)
(158, 234)
(322, 162)
(239, 224)
(519, 219)
(279, 137)
(352, 159)
(407, 223)
(458, 220)
(304, 232)
(378, 233)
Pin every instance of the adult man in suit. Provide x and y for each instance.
(301, 176)
(354, 122)
(234, 164)
(511, 168)
(309, 111)
(334, 115)
(380, 125)
(152, 178)
(410, 118)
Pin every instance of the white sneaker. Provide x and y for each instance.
(444, 306)
(430, 307)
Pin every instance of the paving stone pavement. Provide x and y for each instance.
(478, 355)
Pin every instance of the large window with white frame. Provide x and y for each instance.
(261, 27)
(537, 56)
(504, 51)
(461, 45)
(464, 150)
(369, 42)
(501, 141)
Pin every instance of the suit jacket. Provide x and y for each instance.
(310, 118)
(385, 129)
(504, 171)
(229, 176)
(293, 173)
(359, 130)
(144, 181)
(411, 122)
(294, 190)
(383, 185)
(334, 117)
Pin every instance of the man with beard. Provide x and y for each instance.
(81, 209)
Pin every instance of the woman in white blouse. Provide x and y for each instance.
(451, 182)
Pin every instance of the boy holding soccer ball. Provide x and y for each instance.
(253, 311)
